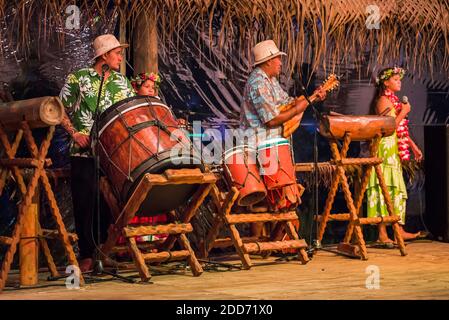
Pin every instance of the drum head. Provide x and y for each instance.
(267, 144)
(238, 149)
(114, 111)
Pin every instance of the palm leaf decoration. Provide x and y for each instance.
(331, 34)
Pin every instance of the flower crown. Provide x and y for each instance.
(138, 80)
(388, 73)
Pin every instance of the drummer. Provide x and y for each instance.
(79, 96)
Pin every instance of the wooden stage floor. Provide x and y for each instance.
(423, 274)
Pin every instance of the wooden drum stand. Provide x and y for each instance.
(179, 226)
(245, 246)
(357, 128)
(20, 117)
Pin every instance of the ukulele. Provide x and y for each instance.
(291, 125)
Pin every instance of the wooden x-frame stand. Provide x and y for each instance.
(37, 162)
(179, 226)
(339, 177)
(251, 245)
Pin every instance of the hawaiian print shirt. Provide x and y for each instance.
(80, 93)
(261, 101)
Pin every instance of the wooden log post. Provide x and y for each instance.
(258, 247)
(145, 42)
(29, 245)
(37, 112)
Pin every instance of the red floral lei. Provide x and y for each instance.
(402, 131)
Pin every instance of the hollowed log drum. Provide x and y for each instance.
(361, 128)
(139, 135)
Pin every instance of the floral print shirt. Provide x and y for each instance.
(80, 93)
(262, 98)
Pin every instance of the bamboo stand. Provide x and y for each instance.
(175, 229)
(27, 230)
(354, 228)
(251, 245)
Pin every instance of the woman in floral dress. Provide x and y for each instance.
(385, 102)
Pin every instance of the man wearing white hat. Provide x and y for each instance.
(80, 92)
(263, 94)
(79, 96)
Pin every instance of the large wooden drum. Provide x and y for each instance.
(361, 128)
(138, 136)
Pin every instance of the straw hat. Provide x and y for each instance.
(105, 43)
(264, 51)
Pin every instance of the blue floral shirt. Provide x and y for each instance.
(261, 101)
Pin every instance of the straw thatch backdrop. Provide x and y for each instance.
(330, 34)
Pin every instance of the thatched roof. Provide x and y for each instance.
(413, 33)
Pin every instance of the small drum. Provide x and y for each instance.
(276, 164)
(241, 171)
(285, 198)
(137, 136)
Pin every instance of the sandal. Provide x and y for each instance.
(423, 235)
(383, 245)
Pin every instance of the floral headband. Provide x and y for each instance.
(388, 73)
(138, 80)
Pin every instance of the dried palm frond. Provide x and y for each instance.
(327, 34)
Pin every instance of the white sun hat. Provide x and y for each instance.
(105, 43)
(264, 51)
